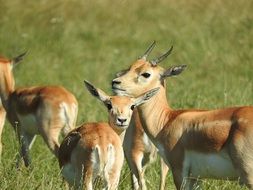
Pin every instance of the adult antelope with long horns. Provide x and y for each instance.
(138, 149)
(194, 143)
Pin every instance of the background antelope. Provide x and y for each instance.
(2, 115)
(138, 148)
(36, 110)
(194, 143)
(95, 149)
(2, 121)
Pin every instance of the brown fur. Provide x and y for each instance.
(67, 146)
(79, 145)
(28, 100)
(4, 60)
(50, 108)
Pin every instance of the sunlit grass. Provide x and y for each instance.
(69, 41)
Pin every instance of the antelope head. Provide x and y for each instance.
(6, 75)
(120, 108)
(144, 75)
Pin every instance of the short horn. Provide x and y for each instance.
(162, 57)
(148, 51)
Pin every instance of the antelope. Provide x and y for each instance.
(194, 143)
(44, 110)
(95, 149)
(2, 116)
(138, 148)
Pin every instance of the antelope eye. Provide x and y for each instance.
(146, 75)
(132, 107)
(109, 106)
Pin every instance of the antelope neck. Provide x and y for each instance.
(119, 132)
(6, 89)
(154, 113)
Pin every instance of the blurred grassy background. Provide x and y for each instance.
(69, 41)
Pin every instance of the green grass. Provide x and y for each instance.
(69, 41)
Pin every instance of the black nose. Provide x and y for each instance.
(115, 82)
(122, 120)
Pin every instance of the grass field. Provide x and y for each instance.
(69, 41)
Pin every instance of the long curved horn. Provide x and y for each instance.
(148, 51)
(154, 62)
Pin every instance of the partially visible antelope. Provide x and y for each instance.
(2, 116)
(95, 149)
(45, 110)
(2, 121)
(138, 148)
(194, 143)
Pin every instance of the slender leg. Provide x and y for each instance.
(26, 142)
(135, 183)
(50, 132)
(245, 167)
(142, 179)
(52, 142)
(178, 179)
(112, 175)
(88, 179)
(135, 164)
(241, 152)
(164, 171)
(114, 181)
(2, 121)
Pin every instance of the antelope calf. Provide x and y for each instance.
(36, 110)
(194, 143)
(95, 149)
(138, 148)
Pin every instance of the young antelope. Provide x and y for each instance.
(95, 149)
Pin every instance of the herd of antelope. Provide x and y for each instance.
(193, 143)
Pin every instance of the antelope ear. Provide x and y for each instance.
(173, 71)
(18, 59)
(99, 94)
(146, 96)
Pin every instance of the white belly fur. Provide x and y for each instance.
(213, 165)
(29, 124)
